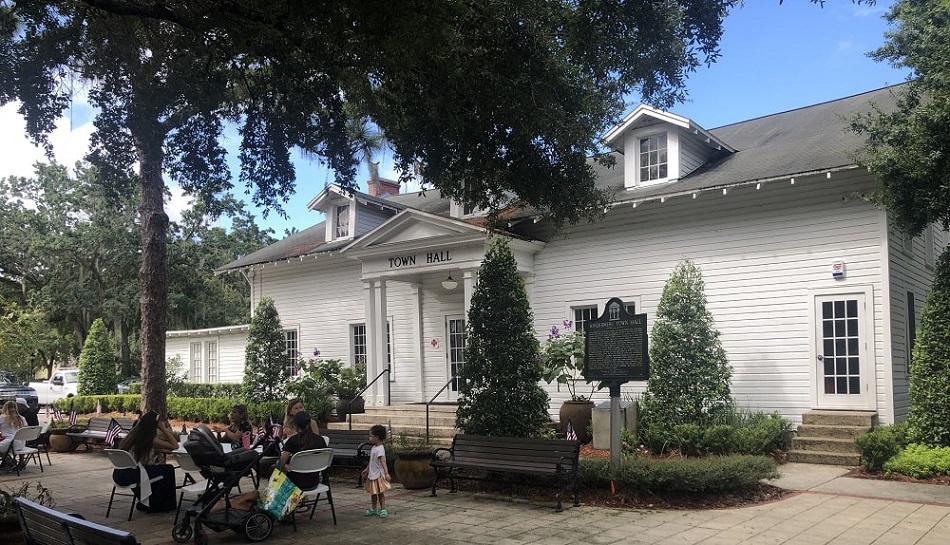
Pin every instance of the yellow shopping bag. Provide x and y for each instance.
(281, 495)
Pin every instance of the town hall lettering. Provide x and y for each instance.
(400, 261)
(439, 257)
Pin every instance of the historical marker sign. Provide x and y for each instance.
(615, 348)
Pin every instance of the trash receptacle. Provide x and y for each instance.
(600, 422)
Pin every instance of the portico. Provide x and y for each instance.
(405, 266)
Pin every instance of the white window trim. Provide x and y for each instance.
(331, 221)
(392, 347)
(207, 361)
(632, 156)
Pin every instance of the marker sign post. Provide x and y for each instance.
(616, 351)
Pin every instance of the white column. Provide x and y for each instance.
(380, 393)
(418, 347)
(369, 301)
(468, 284)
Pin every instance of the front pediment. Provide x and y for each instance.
(411, 229)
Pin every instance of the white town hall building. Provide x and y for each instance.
(815, 295)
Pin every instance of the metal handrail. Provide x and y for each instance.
(349, 415)
(437, 394)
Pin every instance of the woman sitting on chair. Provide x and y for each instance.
(148, 437)
(239, 428)
(10, 422)
(304, 439)
(294, 406)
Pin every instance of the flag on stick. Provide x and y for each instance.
(47, 411)
(57, 414)
(570, 434)
(72, 414)
(112, 434)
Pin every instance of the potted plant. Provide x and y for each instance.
(412, 456)
(10, 532)
(562, 361)
(351, 382)
(58, 440)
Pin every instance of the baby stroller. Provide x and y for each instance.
(223, 472)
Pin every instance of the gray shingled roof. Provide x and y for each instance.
(796, 142)
(792, 143)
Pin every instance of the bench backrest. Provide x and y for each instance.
(346, 439)
(101, 423)
(44, 526)
(543, 454)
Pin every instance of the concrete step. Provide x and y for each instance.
(824, 458)
(408, 421)
(831, 432)
(824, 444)
(840, 418)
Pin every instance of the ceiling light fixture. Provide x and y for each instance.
(449, 283)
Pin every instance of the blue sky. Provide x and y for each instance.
(774, 58)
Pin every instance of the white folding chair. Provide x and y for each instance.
(121, 459)
(18, 456)
(193, 490)
(42, 443)
(313, 461)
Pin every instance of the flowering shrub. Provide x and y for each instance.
(562, 359)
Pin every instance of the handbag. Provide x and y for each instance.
(281, 495)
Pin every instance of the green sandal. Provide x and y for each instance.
(383, 513)
(371, 512)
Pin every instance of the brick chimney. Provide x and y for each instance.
(383, 189)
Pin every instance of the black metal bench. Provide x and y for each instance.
(556, 458)
(95, 431)
(350, 448)
(44, 526)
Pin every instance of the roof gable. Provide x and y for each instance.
(415, 228)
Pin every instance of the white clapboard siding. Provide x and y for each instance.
(760, 252)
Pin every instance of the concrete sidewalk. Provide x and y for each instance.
(829, 509)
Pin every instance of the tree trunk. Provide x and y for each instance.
(153, 277)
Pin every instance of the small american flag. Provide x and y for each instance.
(47, 411)
(98, 407)
(570, 434)
(112, 434)
(57, 414)
(72, 414)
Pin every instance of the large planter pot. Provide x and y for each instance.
(350, 406)
(579, 415)
(413, 469)
(60, 442)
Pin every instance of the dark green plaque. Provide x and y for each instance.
(615, 347)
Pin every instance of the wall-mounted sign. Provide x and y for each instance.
(837, 269)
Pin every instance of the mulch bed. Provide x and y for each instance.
(860, 473)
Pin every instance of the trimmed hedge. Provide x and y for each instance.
(709, 475)
(209, 410)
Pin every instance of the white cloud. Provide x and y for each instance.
(19, 154)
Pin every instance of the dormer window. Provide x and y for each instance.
(343, 221)
(653, 158)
